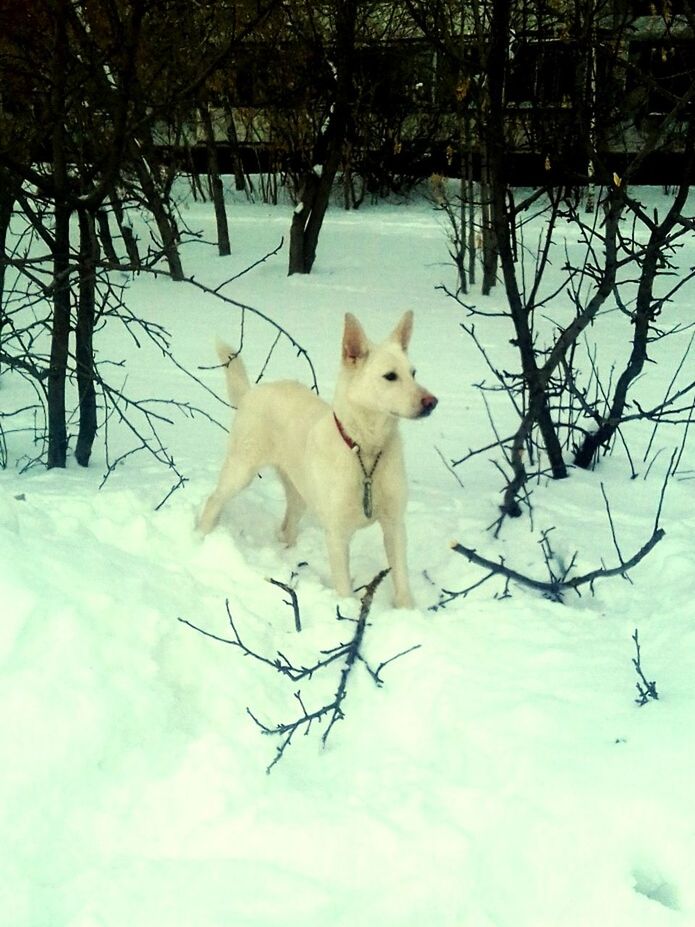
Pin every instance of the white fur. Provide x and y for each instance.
(286, 426)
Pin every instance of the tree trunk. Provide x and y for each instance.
(166, 224)
(60, 332)
(472, 244)
(299, 220)
(7, 201)
(60, 335)
(310, 212)
(105, 236)
(501, 221)
(216, 186)
(127, 234)
(320, 205)
(462, 235)
(233, 139)
(489, 238)
(84, 332)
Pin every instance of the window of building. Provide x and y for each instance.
(542, 73)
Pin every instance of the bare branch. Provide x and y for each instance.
(350, 653)
(556, 588)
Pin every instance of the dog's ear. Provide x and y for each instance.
(355, 344)
(404, 330)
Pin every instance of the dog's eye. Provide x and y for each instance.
(391, 376)
(413, 372)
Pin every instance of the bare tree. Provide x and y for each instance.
(585, 131)
(215, 180)
(89, 83)
(315, 187)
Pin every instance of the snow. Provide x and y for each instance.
(503, 776)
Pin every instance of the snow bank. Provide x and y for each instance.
(502, 776)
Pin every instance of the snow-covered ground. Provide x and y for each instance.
(503, 776)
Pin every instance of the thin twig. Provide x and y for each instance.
(649, 690)
(292, 601)
(610, 522)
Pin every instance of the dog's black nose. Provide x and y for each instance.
(428, 404)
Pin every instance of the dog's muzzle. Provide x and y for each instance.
(427, 405)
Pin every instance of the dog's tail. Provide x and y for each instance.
(237, 378)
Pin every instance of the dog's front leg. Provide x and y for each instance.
(337, 542)
(395, 544)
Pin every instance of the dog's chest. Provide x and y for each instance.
(351, 487)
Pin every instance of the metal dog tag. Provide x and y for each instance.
(367, 498)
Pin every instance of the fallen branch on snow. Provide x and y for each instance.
(555, 588)
(648, 690)
(349, 652)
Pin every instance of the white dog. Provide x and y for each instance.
(345, 463)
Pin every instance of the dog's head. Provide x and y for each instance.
(380, 377)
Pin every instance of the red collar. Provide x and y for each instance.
(343, 434)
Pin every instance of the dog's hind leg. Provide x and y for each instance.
(294, 511)
(237, 473)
